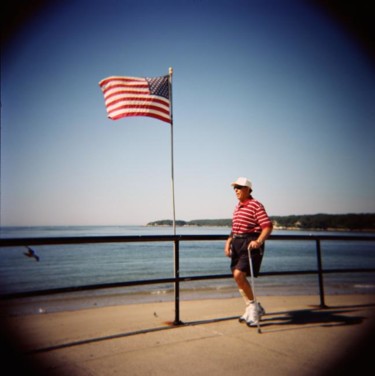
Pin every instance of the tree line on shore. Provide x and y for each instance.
(363, 221)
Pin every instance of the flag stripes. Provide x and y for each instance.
(134, 96)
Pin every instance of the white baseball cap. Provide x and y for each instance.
(244, 182)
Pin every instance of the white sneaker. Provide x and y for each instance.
(249, 315)
(252, 317)
(253, 313)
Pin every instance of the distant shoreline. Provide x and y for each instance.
(276, 228)
(315, 222)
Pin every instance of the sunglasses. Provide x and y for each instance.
(239, 187)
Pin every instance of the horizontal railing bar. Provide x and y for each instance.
(325, 271)
(364, 270)
(6, 242)
(369, 238)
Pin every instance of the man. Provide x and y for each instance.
(251, 226)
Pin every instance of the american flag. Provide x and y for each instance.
(134, 96)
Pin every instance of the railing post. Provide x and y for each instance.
(177, 320)
(320, 274)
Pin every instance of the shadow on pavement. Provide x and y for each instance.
(329, 316)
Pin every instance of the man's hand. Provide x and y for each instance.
(228, 248)
(254, 244)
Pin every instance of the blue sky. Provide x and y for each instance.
(272, 90)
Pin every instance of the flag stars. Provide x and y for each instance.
(159, 86)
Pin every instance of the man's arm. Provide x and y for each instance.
(266, 232)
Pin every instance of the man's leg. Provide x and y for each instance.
(253, 311)
(243, 284)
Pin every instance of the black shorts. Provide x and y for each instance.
(240, 255)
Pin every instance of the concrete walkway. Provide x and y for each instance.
(298, 338)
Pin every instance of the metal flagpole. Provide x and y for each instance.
(177, 320)
(172, 162)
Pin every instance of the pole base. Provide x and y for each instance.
(178, 323)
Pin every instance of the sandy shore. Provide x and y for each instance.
(298, 338)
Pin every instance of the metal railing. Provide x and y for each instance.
(177, 279)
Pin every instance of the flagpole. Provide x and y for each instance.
(176, 247)
(172, 161)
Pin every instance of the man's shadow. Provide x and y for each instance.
(326, 317)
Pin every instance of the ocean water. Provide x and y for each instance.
(85, 264)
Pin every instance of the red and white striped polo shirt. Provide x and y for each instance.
(249, 216)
